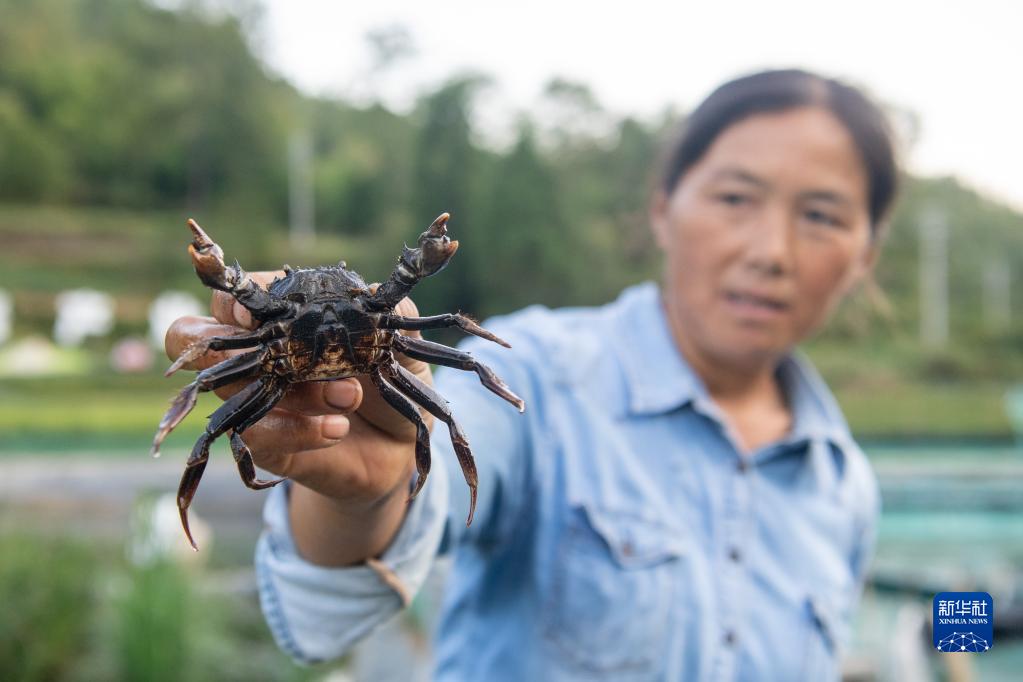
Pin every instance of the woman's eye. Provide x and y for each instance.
(733, 199)
(822, 218)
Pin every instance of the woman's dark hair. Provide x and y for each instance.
(774, 91)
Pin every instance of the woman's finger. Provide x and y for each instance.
(185, 331)
(317, 398)
(281, 433)
(227, 310)
(378, 412)
(406, 308)
(222, 307)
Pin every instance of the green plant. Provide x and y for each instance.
(153, 640)
(48, 600)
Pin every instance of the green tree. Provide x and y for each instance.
(127, 104)
(531, 254)
(444, 179)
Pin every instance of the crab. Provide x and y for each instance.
(322, 324)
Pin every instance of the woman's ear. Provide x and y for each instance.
(659, 218)
(866, 261)
(869, 259)
(861, 273)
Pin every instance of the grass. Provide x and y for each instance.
(116, 413)
(892, 387)
(47, 596)
(932, 411)
(77, 610)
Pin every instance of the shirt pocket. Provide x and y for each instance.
(611, 591)
(821, 654)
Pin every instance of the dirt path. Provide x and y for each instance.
(93, 492)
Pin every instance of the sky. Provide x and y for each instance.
(958, 66)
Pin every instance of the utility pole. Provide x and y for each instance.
(933, 227)
(301, 206)
(997, 297)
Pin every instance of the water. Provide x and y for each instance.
(952, 521)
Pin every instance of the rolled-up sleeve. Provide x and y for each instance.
(317, 613)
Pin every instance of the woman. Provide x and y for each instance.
(682, 500)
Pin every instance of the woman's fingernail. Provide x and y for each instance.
(242, 315)
(340, 394)
(334, 426)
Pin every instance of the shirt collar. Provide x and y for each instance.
(659, 380)
(816, 414)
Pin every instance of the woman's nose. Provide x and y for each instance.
(771, 244)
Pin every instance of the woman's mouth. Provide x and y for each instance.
(756, 305)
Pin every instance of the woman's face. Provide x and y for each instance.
(764, 235)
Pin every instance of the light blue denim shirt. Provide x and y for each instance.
(620, 532)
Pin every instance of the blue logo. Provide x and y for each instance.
(963, 622)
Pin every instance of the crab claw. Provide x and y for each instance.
(435, 248)
(208, 259)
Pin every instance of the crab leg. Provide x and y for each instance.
(247, 469)
(407, 409)
(208, 259)
(433, 253)
(237, 413)
(244, 340)
(459, 320)
(428, 351)
(223, 373)
(423, 394)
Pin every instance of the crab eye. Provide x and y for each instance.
(296, 296)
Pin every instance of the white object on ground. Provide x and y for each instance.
(82, 313)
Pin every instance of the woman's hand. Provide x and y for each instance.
(348, 451)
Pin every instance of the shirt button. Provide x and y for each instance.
(730, 638)
(735, 554)
(742, 466)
